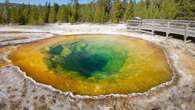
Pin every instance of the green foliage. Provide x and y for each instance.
(63, 14)
(99, 11)
(45, 13)
(186, 9)
(140, 9)
(34, 16)
(168, 9)
(1, 16)
(129, 11)
(74, 16)
(14, 15)
(87, 13)
(153, 11)
(102, 11)
(53, 13)
(6, 12)
(116, 11)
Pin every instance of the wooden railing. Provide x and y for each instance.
(180, 27)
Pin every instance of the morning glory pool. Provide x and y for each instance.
(94, 64)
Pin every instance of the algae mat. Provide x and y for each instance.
(94, 64)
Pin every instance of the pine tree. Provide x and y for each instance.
(14, 17)
(87, 12)
(6, 12)
(102, 11)
(153, 10)
(99, 11)
(186, 9)
(140, 9)
(26, 13)
(45, 12)
(41, 15)
(116, 11)
(21, 14)
(35, 17)
(129, 11)
(168, 9)
(60, 15)
(108, 6)
(53, 13)
(1, 15)
(74, 11)
(63, 14)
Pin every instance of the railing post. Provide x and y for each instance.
(152, 27)
(167, 32)
(186, 32)
(139, 22)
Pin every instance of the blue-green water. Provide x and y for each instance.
(94, 58)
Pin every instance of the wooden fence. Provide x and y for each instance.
(180, 27)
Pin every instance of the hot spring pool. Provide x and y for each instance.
(94, 64)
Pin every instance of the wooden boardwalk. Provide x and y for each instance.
(180, 27)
